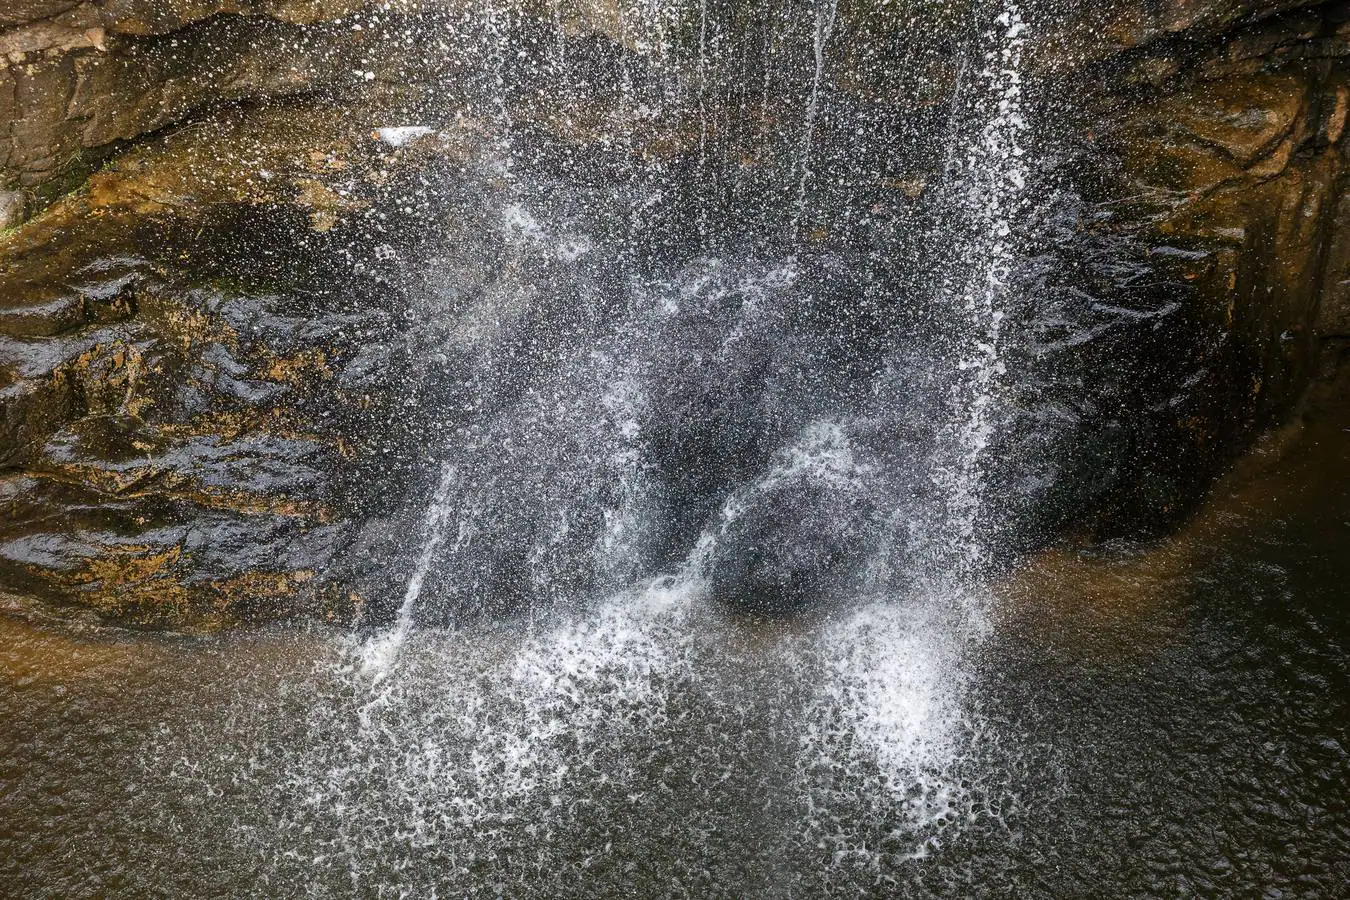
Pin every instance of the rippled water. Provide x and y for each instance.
(1168, 720)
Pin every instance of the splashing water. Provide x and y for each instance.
(638, 439)
(889, 712)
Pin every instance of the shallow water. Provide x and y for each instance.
(1161, 721)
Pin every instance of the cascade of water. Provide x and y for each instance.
(953, 114)
(498, 36)
(560, 37)
(735, 396)
(893, 702)
(990, 195)
(562, 482)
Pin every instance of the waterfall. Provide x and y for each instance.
(648, 433)
(569, 497)
(989, 194)
(675, 463)
(703, 123)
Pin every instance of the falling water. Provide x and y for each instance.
(892, 669)
(643, 441)
(702, 122)
(825, 18)
(380, 652)
(990, 192)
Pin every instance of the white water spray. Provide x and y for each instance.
(992, 194)
(555, 721)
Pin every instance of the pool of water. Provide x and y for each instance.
(1153, 721)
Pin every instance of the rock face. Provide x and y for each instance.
(1225, 155)
(198, 406)
(1086, 33)
(177, 446)
(78, 78)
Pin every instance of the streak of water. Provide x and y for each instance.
(990, 190)
(381, 651)
(826, 14)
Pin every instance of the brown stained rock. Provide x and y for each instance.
(1333, 313)
(1244, 128)
(80, 80)
(1082, 34)
(22, 12)
(247, 158)
(327, 205)
(165, 437)
(46, 37)
(92, 94)
(1284, 281)
(40, 137)
(1335, 112)
(152, 585)
(1268, 227)
(12, 205)
(126, 580)
(1245, 119)
(1231, 159)
(142, 17)
(1251, 159)
(39, 316)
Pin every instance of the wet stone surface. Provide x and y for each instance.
(236, 363)
(194, 399)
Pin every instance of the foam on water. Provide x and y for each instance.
(468, 746)
(493, 754)
(888, 741)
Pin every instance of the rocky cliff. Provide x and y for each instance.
(1198, 149)
(207, 391)
(79, 79)
(1217, 133)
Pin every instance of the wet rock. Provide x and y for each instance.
(1226, 166)
(78, 81)
(1088, 33)
(195, 385)
(41, 316)
(804, 532)
(205, 371)
(797, 547)
(162, 16)
(87, 99)
(11, 209)
(1333, 312)
(155, 560)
